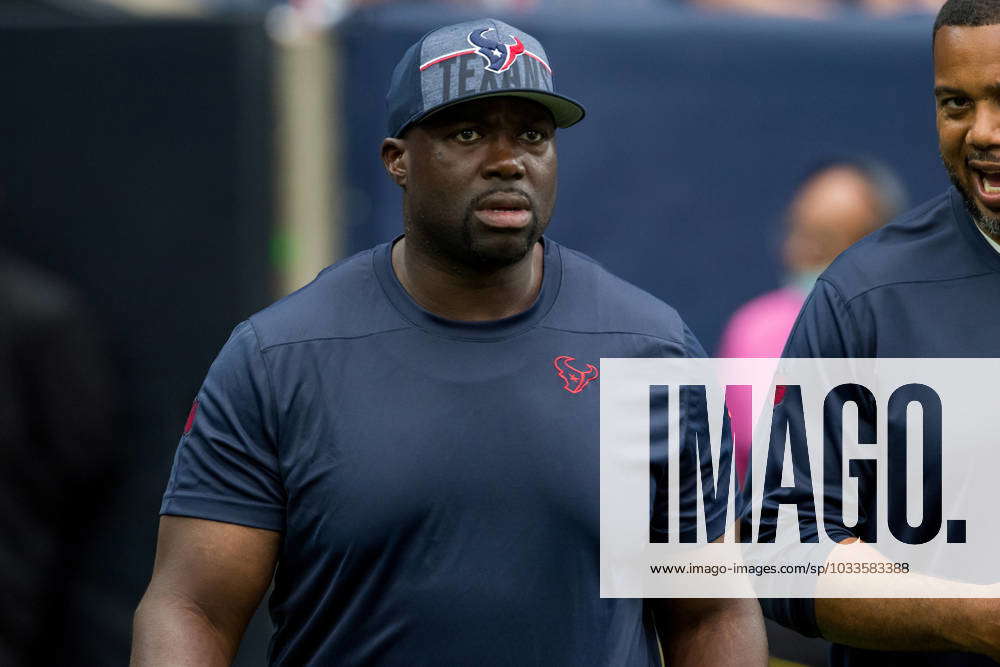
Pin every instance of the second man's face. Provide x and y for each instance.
(481, 180)
(967, 93)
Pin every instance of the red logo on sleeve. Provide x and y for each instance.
(191, 415)
(779, 393)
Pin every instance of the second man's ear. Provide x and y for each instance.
(394, 159)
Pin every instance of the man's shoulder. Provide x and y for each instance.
(592, 299)
(923, 245)
(344, 301)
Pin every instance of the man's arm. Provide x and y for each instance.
(909, 624)
(207, 581)
(913, 624)
(714, 632)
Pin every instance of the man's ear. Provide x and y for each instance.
(394, 159)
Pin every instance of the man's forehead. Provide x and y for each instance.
(964, 46)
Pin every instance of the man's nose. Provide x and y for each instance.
(504, 160)
(985, 131)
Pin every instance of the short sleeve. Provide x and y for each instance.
(226, 466)
(658, 470)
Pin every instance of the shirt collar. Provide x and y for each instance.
(993, 244)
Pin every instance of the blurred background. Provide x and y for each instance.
(171, 166)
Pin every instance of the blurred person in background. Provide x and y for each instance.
(837, 203)
(56, 456)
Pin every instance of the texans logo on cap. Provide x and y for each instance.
(499, 56)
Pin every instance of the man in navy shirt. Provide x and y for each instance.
(412, 439)
(927, 285)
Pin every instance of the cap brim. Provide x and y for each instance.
(565, 111)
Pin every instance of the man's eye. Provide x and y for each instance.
(955, 103)
(467, 135)
(532, 136)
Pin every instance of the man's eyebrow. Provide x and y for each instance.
(993, 90)
(947, 90)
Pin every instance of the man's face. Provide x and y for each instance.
(967, 90)
(479, 181)
(832, 210)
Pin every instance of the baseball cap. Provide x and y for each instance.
(467, 61)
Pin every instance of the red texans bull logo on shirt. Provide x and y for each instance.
(574, 380)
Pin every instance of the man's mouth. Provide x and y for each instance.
(504, 210)
(991, 182)
(987, 177)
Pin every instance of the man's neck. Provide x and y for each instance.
(469, 296)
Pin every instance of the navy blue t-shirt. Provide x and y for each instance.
(927, 285)
(436, 483)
